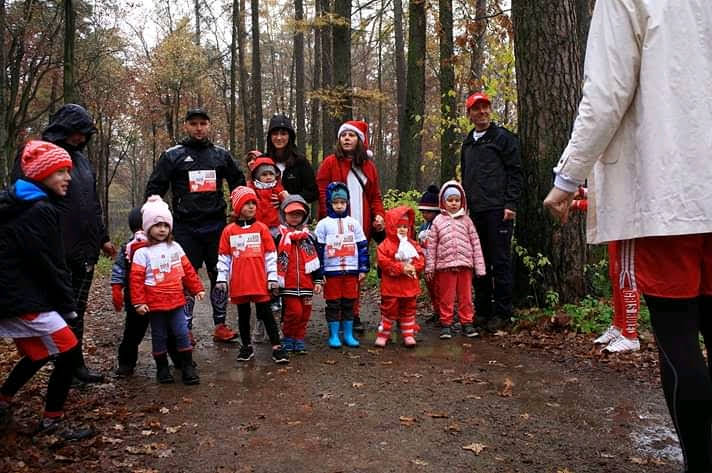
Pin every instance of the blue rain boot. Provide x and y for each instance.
(334, 341)
(349, 340)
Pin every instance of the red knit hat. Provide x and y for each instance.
(241, 195)
(41, 158)
(361, 130)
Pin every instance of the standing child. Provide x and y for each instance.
(247, 258)
(400, 259)
(299, 271)
(160, 273)
(453, 252)
(343, 249)
(429, 209)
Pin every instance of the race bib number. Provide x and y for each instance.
(341, 244)
(202, 181)
(246, 245)
(166, 267)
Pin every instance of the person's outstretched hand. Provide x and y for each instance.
(558, 202)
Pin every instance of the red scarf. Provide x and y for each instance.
(305, 246)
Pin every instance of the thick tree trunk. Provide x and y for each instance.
(477, 46)
(448, 153)
(342, 59)
(232, 122)
(300, 103)
(257, 76)
(584, 10)
(328, 125)
(70, 93)
(5, 164)
(548, 85)
(400, 66)
(410, 151)
(249, 137)
(316, 74)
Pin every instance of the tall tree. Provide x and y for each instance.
(584, 10)
(70, 93)
(400, 66)
(328, 125)
(197, 41)
(342, 59)
(257, 76)
(548, 83)
(448, 159)
(233, 79)
(316, 78)
(477, 45)
(3, 95)
(411, 146)
(246, 106)
(299, 73)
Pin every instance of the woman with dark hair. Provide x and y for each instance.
(297, 173)
(351, 163)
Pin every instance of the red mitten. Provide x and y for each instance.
(117, 296)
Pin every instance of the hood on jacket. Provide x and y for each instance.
(281, 122)
(456, 185)
(329, 191)
(393, 216)
(70, 118)
(18, 197)
(292, 198)
(263, 160)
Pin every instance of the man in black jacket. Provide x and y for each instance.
(81, 220)
(490, 164)
(194, 171)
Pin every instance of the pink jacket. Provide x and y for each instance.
(453, 241)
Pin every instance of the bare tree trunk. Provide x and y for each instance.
(328, 125)
(316, 74)
(299, 75)
(257, 76)
(400, 66)
(448, 156)
(249, 136)
(70, 93)
(5, 164)
(546, 53)
(411, 145)
(477, 46)
(342, 59)
(584, 10)
(232, 122)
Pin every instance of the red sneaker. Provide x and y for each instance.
(224, 334)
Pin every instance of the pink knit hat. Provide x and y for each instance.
(154, 211)
(240, 196)
(40, 159)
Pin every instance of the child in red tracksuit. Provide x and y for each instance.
(160, 272)
(400, 259)
(269, 191)
(299, 271)
(247, 266)
(622, 335)
(453, 253)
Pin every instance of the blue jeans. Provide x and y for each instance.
(173, 320)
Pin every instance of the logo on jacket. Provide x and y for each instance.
(188, 160)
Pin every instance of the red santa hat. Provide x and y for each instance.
(40, 159)
(361, 129)
(241, 195)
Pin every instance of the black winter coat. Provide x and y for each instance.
(80, 213)
(491, 170)
(33, 275)
(300, 179)
(172, 170)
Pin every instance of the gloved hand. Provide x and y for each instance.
(221, 286)
(117, 296)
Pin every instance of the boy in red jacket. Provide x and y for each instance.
(400, 259)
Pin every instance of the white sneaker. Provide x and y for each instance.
(608, 336)
(623, 345)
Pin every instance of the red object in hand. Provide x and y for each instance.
(117, 296)
(580, 205)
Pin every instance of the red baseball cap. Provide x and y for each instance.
(476, 97)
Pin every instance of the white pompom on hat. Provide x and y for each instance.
(361, 129)
(154, 211)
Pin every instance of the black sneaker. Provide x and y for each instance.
(497, 323)
(124, 371)
(445, 333)
(280, 355)
(246, 353)
(469, 331)
(434, 319)
(60, 428)
(358, 326)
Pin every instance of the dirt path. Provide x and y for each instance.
(364, 410)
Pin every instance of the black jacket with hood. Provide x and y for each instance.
(172, 171)
(298, 176)
(491, 170)
(80, 212)
(33, 275)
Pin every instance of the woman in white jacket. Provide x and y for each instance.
(643, 138)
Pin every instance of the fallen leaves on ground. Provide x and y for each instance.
(506, 389)
(475, 448)
(408, 421)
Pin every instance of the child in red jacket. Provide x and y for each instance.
(299, 271)
(269, 191)
(159, 274)
(400, 259)
(247, 265)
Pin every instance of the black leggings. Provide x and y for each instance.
(264, 313)
(59, 381)
(686, 378)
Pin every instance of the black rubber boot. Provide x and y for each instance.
(163, 371)
(189, 373)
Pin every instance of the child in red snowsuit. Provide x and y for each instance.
(400, 259)
(247, 266)
(622, 335)
(160, 273)
(299, 271)
(269, 191)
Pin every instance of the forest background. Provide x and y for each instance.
(404, 68)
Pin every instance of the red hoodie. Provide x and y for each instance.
(267, 213)
(394, 282)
